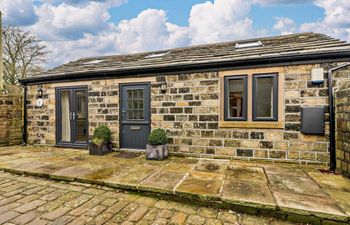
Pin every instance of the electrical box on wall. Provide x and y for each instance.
(312, 120)
(317, 75)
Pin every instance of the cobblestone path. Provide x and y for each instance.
(35, 201)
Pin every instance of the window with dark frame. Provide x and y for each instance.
(265, 97)
(135, 109)
(235, 103)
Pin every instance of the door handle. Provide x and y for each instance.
(72, 115)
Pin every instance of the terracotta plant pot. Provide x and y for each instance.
(157, 152)
(100, 150)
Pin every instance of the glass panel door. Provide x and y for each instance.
(80, 116)
(65, 117)
(72, 117)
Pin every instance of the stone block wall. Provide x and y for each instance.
(41, 121)
(10, 119)
(103, 109)
(342, 107)
(190, 110)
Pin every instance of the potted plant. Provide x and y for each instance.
(101, 141)
(157, 145)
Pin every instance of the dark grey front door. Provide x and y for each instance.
(135, 115)
(71, 116)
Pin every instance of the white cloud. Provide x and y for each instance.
(285, 25)
(18, 12)
(65, 21)
(151, 30)
(281, 2)
(85, 2)
(87, 46)
(336, 21)
(81, 28)
(220, 21)
(148, 31)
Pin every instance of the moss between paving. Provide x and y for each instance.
(293, 191)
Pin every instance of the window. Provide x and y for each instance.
(252, 98)
(248, 44)
(135, 109)
(236, 98)
(265, 97)
(157, 55)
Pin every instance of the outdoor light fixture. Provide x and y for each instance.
(163, 85)
(39, 96)
(40, 93)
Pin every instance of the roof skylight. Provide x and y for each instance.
(251, 44)
(156, 55)
(94, 61)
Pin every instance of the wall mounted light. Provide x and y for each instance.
(163, 85)
(40, 93)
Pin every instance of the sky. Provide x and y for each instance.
(72, 29)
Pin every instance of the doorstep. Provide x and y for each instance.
(295, 192)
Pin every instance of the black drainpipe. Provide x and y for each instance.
(332, 144)
(24, 133)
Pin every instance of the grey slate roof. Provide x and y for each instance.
(278, 46)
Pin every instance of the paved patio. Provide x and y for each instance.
(298, 193)
(37, 201)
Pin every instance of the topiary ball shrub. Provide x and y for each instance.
(102, 135)
(158, 137)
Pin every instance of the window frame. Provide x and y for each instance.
(275, 97)
(250, 123)
(245, 97)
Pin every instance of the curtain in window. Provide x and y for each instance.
(65, 120)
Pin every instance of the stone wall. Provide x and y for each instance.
(342, 106)
(10, 119)
(103, 109)
(190, 110)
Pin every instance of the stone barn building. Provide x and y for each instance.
(265, 98)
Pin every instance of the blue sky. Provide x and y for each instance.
(72, 29)
(178, 11)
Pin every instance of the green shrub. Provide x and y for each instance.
(157, 137)
(97, 141)
(102, 134)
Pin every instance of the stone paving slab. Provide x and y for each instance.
(248, 186)
(309, 205)
(201, 185)
(296, 192)
(337, 187)
(163, 181)
(295, 185)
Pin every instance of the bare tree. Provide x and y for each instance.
(23, 54)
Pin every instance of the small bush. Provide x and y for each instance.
(97, 141)
(157, 137)
(102, 134)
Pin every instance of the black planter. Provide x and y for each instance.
(157, 152)
(100, 150)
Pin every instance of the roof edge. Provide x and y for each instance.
(95, 75)
(263, 38)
